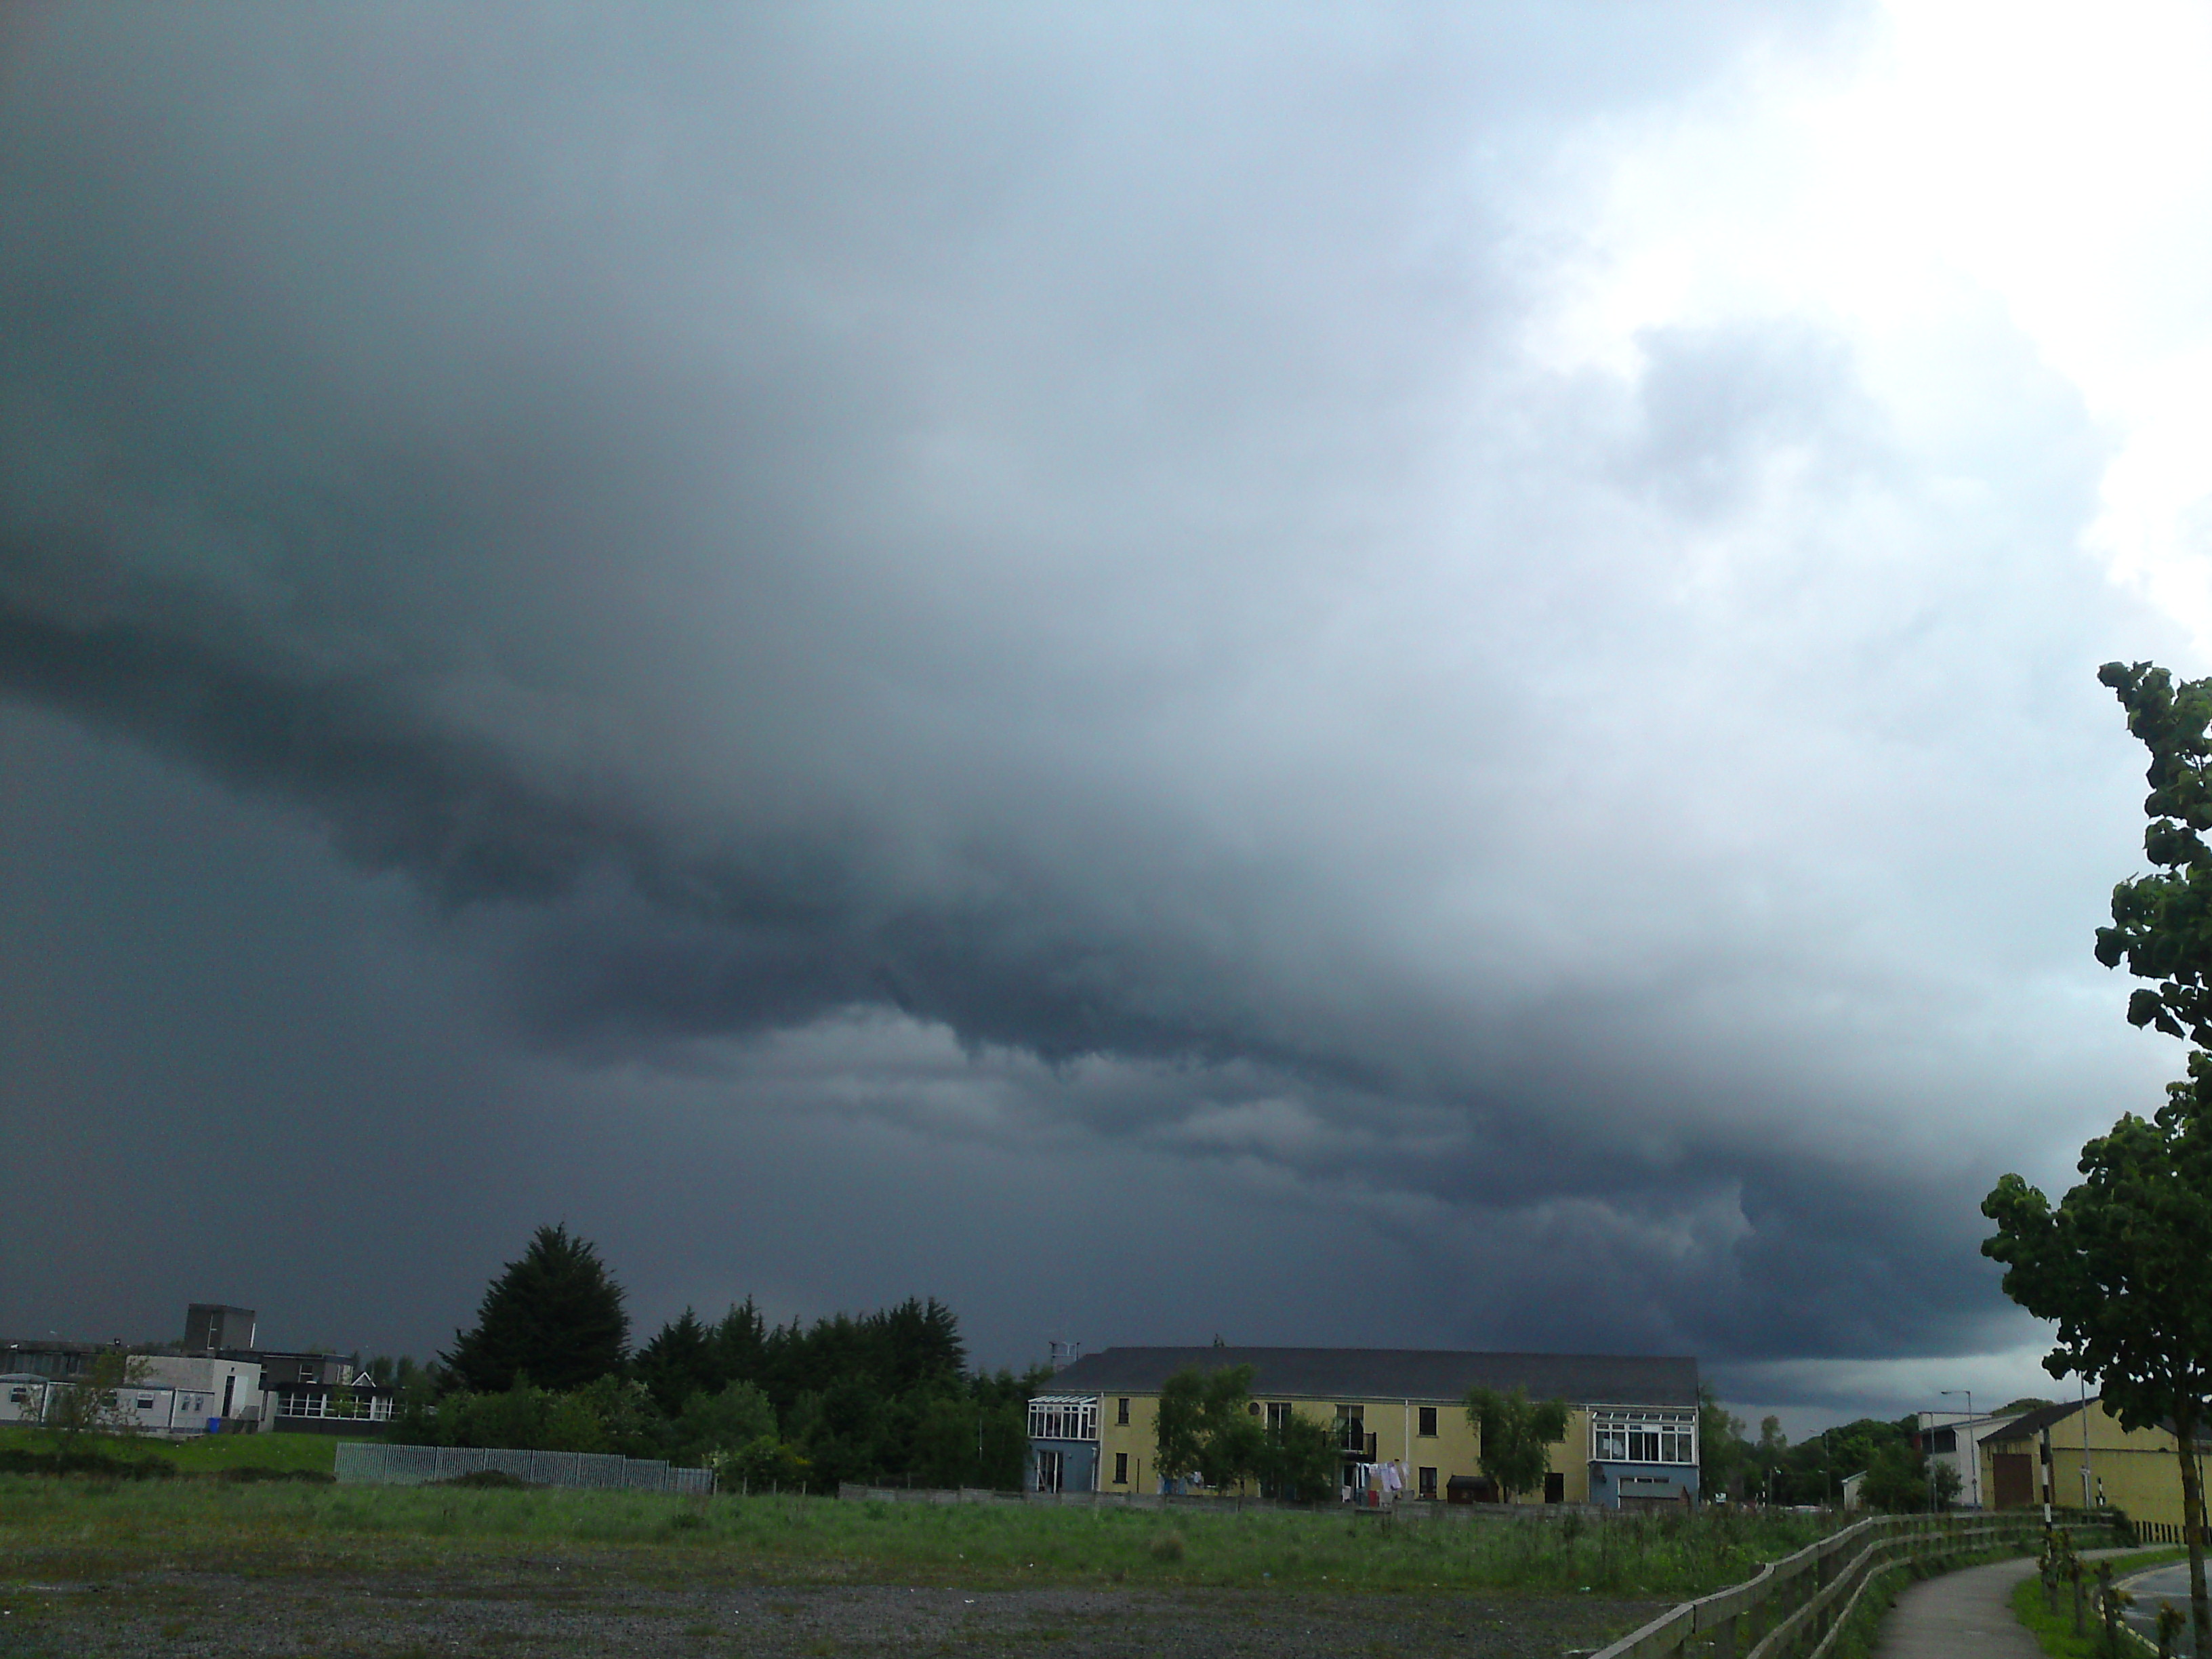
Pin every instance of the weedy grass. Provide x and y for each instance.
(73, 1527)
(2054, 1631)
(206, 1454)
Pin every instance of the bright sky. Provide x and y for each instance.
(2049, 162)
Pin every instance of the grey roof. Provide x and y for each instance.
(2031, 1423)
(1398, 1374)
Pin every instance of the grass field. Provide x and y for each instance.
(72, 1527)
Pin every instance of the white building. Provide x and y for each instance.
(1954, 1439)
(22, 1397)
(208, 1389)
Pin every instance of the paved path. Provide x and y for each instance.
(1963, 1615)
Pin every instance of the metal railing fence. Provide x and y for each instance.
(368, 1464)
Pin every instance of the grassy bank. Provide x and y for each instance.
(205, 1454)
(63, 1527)
(2054, 1632)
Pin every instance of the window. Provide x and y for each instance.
(1121, 1466)
(1278, 1416)
(1429, 1425)
(1632, 1435)
(1352, 1430)
(145, 1402)
(1428, 1483)
(1064, 1417)
(1121, 1413)
(315, 1403)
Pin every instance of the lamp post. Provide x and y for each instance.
(1973, 1461)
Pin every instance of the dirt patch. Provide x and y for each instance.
(556, 1606)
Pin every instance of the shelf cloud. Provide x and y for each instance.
(1292, 659)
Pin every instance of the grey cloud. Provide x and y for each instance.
(1048, 533)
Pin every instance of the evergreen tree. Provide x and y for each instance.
(679, 1362)
(741, 1346)
(555, 1317)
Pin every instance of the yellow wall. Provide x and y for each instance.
(2141, 1468)
(1453, 1449)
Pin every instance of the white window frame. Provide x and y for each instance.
(354, 1408)
(1064, 1417)
(1643, 1434)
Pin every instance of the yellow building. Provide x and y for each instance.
(2078, 1458)
(1631, 1421)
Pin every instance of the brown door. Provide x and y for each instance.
(2012, 1477)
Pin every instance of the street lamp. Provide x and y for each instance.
(1974, 1460)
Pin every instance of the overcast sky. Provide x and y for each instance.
(1353, 675)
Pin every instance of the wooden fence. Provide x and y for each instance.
(1796, 1607)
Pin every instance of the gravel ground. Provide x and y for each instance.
(572, 1606)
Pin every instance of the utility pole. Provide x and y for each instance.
(1973, 1451)
(2084, 1382)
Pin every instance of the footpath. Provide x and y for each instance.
(1963, 1615)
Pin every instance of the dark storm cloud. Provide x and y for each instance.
(780, 521)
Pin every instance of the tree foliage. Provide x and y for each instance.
(1516, 1435)
(1208, 1428)
(2119, 1264)
(94, 1403)
(880, 1396)
(1723, 1452)
(554, 1317)
(1896, 1480)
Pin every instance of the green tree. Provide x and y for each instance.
(1515, 1435)
(554, 1317)
(1723, 1452)
(516, 1417)
(2119, 1263)
(94, 1403)
(679, 1362)
(1208, 1427)
(1896, 1480)
(1301, 1461)
(727, 1422)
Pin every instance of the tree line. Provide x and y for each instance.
(884, 1397)
(1900, 1477)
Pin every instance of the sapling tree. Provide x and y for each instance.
(1514, 1437)
(1208, 1427)
(95, 1403)
(2119, 1264)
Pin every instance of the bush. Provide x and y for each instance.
(19, 1460)
(493, 1479)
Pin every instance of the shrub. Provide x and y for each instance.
(497, 1479)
